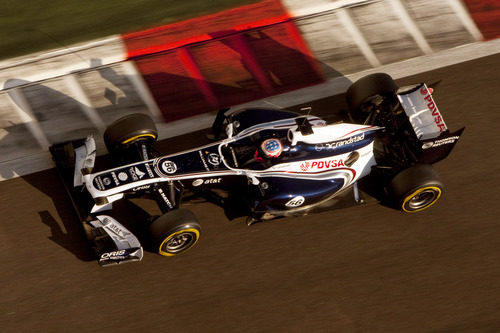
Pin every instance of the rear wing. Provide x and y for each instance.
(427, 123)
(422, 112)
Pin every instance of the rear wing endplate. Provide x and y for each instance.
(428, 123)
(422, 112)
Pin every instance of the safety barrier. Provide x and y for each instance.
(193, 67)
(216, 61)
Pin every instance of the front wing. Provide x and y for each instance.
(111, 242)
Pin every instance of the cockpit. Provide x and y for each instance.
(258, 151)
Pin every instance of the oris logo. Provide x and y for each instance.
(112, 255)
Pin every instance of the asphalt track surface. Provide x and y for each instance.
(357, 269)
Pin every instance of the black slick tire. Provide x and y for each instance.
(415, 188)
(128, 130)
(174, 232)
(363, 90)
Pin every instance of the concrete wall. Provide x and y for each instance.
(350, 36)
(65, 94)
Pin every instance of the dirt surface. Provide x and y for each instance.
(359, 269)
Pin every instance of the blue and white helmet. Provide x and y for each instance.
(271, 147)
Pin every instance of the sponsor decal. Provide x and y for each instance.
(427, 145)
(424, 91)
(169, 167)
(139, 173)
(150, 172)
(122, 176)
(106, 181)
(115, 228)
(214, 159)
(133, 174)
(203, 160)
(140, 188)
(212, 181)
(340, 143)
(435, 113)
(327, 164)
(318, 147)
(305, 166)
(98, 183)
(113, 255)
(115, 179)
(437, 143)
(164, 197)
(136, 173)
(197, 182)
(322, 164)
(209, 181)
(296, 202)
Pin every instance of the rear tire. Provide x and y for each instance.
(128, 130)
(365, 89)
(416, 188)
(174, 232)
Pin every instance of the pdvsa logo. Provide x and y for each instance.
(438, 119)
(327, 164)
(321, 165)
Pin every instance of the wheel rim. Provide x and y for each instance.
(178, 242)
(421, 199)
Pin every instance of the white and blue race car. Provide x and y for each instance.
(269, 163)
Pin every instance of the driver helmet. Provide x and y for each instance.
(271, 148)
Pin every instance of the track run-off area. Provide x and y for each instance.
(356, 269)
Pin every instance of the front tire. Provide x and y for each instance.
(174, 232)
(128, 130)
(416, 188)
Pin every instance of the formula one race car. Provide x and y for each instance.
(275, 163)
